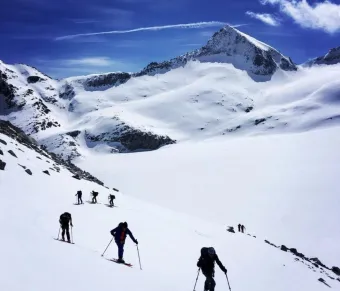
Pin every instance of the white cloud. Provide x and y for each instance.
(321, 15)
(266, 18)
(92, 62)
(153, 28)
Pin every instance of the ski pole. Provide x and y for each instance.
(228, 281)
(59, 233)
(197, 278)
(140, 265)
(107, 246)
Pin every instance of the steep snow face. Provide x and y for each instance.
(331, 58)
(169, 241)
(232, 46)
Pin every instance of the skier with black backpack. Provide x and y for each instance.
(65, 221)
(206, 263)
(79, 195)
(119, 233)
(94, 196)
(111, 197)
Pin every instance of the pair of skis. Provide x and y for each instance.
(112, 260)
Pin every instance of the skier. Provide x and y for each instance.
(111, 197)
(243, 228)
(119, 234)
(207, 264)
(239, 227)
(65, 220)
(79, 195)
(94, 196)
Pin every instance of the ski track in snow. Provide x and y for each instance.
(170, 237)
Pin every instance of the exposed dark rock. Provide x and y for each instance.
(12, 153)
(111, 79)
(115, 189)
(34, 79)
(132, 139)
(248, 109)
(39, 158)
(296, 253)
(28, 171)
(67, 91)
(1, 152)
(2, 165)
(268, 242)
(17, 134)
(7, 90)
(336, 270)
(284, 248)
(46, 172)
(316, 260)
(76, 177)
(231, 229)
(3, 142)
(24, 167)
(260, 120)
(74, 134)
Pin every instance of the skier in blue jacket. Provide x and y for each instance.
(119, 234)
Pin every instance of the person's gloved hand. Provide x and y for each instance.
(136, 242)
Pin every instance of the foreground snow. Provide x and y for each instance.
(170, 240)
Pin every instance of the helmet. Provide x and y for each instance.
(125, 224)
(211, 251)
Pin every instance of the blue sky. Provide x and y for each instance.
(41, 32)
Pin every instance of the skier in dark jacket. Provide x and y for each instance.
(79, 195)
(119, 234)
(239, 227)
(111, 198)
(65, 220)
(94, 196)
(207, 264)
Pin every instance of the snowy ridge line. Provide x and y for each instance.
(310, 262)
(17, 134)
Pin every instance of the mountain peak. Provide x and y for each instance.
(229, 45)
(331, 58)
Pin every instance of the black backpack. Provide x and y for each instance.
(65, 218)
(79, 193)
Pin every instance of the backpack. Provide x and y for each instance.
(79, 193)
(95, 194)
(112, 196)
(65, 218)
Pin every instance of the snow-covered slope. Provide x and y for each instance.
(169, 240)
(233, 86)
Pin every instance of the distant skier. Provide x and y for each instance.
(239, 227)
(119, 234)
(111, 198)
(65, 221)
(79, 195)
(243, 228)
(207, 264)
(94, 196)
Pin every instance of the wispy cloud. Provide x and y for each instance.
(92, 62)
(265, 17)
(321, 15)
(153, 28)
